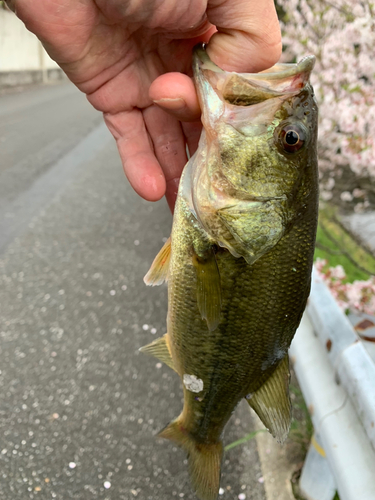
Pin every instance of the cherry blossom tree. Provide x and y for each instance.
(358, 296)
(341, 34)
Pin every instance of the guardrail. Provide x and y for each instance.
(337, 377)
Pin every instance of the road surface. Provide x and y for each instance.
(80, 406)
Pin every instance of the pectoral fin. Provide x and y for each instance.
(208, 288)
(272, 404)
(158, 272)
(159, 349)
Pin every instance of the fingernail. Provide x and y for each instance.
(177, 103)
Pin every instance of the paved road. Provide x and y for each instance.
(79, 406)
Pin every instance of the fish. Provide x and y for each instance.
(239, 259)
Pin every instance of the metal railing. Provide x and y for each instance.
(337, 377)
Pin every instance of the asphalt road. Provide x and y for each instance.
(80, 406)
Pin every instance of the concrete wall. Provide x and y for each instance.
(22, 57)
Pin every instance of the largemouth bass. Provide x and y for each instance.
(239, 259)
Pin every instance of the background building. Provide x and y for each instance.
(23, 59)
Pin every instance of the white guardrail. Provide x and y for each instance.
(337, 377)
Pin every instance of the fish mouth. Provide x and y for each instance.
(245, 89)
(260, 199)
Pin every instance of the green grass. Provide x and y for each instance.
(339, 247)
(243, 440)
(301, 428)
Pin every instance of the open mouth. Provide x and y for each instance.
(246, 89)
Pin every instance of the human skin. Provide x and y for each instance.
(132, 58)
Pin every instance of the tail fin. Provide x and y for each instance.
(204, 460)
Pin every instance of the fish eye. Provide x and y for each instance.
(292, 137)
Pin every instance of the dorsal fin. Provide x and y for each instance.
(158, 272)
(208, 288)
(272, 404)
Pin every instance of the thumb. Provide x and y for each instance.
(248, 37)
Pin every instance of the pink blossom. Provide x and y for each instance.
(338, 273)
(358, 296)
(346, 196)
(341, 34)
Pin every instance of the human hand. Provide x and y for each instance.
(127, 55)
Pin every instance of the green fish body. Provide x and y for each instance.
(239, 259)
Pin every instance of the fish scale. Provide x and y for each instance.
(239, 257)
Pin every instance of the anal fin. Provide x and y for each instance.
(159, 349)
(208, 288)
(158, 272)
(272, 404)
